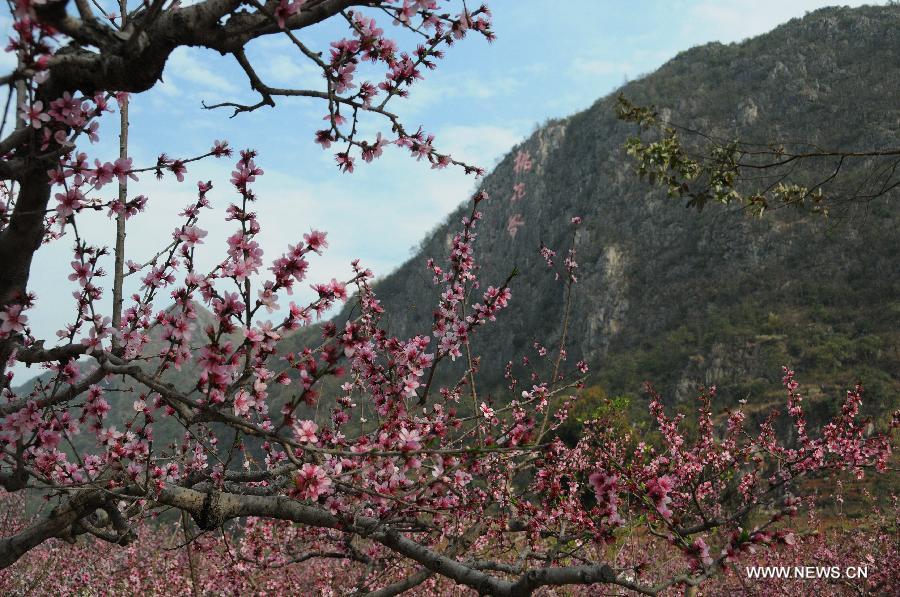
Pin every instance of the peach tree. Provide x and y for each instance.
(402, 478)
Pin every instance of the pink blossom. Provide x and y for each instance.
(12, 320)
(305, 432)
(409, 439)
(190, 235)
(312, 481)
(69, 202)
(344, 161)
(242, 402)
(486, 411)
(34, 114)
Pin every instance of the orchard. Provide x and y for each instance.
(402, 482)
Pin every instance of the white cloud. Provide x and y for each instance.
(735, 20)
(440, 89)
(184, 65)
(168, 88)
(477, 144)
(601, 65)
(294, 71)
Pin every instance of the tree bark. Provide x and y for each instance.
(20, 240)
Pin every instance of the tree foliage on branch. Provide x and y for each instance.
(702, 168)
(400, 480)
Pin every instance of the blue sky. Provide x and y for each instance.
(550, 60)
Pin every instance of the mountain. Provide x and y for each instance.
(717, 297)
(671, 295)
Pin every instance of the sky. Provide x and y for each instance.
(550, 60)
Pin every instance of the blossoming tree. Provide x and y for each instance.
(433, 486)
